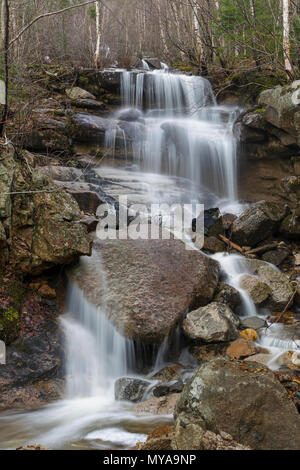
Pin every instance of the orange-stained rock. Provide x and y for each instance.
(249, 334)
(47, 291)
(241, 348)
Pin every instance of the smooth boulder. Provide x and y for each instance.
(243, 399)
(150, 284)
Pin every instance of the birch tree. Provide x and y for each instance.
(286, 38)
(98, 34)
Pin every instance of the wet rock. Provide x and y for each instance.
(241, 348)
(258, 290)
(208, 352)
(162, 438)
(228, 220)
(167, 389)
(211, 324)
(213, 223)
(130, 389)
(150, 284)
(226, 294)
(158, 406)
(281, 288)
(177, 135)
(78, 93)
(133, 131)
(33, 374)
(169, 373)
(257, 223)
(254, 323)
(249, 334)
(261, 358)
(220, 385)
(87, 128)
(89, 104)
(276, 257)
(213, 245)
(290, 227)
(130, 115)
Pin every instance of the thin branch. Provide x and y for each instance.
(47, 15)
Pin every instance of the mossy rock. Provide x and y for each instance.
(13, 293)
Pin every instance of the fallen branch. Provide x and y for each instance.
(231, 245)
(262, 249)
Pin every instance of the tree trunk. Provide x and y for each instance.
(98, 35)
(286, 39)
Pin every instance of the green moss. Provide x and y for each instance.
(260, 110)
(250, 84)
(184, 67)
(9, 324)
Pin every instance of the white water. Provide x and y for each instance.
(185, 134)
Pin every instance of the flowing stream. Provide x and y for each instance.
(182, 133)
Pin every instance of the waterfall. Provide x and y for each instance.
(185, 133)
(96, 354)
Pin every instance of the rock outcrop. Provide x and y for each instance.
(243, 399)
(41, 222)
(150, 284)
(272, 130)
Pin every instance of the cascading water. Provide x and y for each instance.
(179, 130)
(182, 131)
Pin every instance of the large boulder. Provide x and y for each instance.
(43, 222)
(150, 284)
(211, 324)
(283, 108)
(243, 399)
(257, 223)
